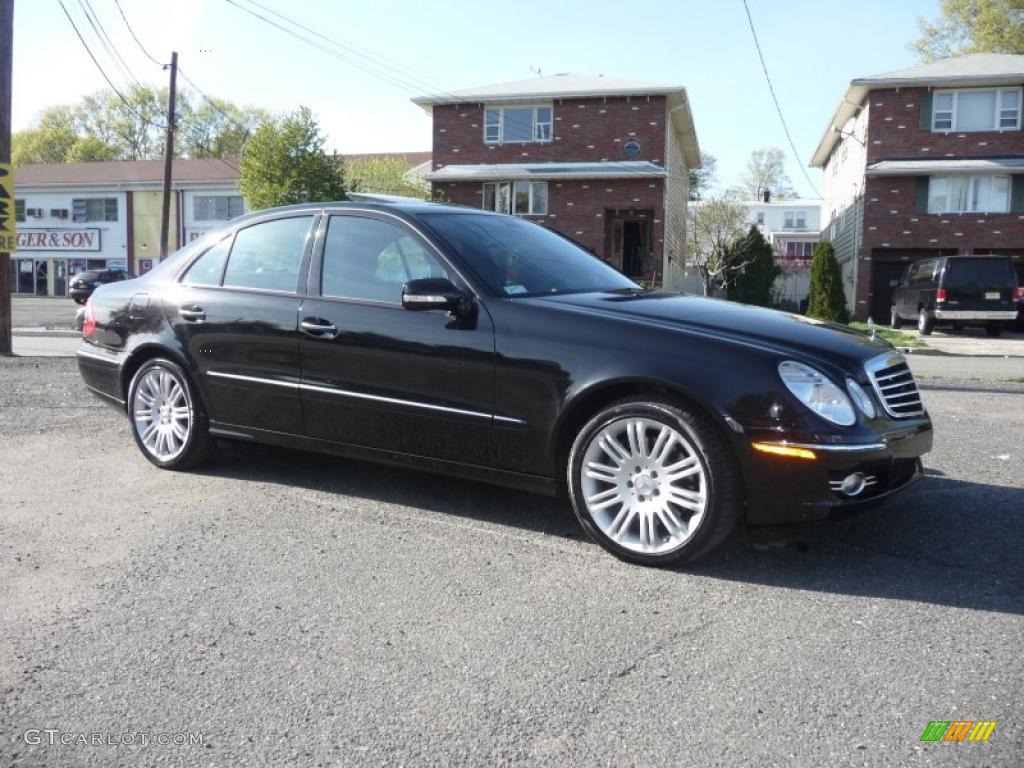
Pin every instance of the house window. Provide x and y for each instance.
(216, 207)
(760, 218)
(795, 220)
(520, 197)
(976, 110)
(969, 194)
(512, 125)
(801, 250)
(19, 210)
(94, 209)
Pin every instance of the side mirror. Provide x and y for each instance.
(434, 293)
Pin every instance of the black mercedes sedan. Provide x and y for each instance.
(489, 347)
(84, 283)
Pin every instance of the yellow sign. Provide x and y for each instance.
(8, 238)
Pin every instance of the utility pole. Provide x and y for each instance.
(6, 41)
(165, 214)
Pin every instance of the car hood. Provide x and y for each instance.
(767, 328)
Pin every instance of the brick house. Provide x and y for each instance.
(602, 160)
(923, 162)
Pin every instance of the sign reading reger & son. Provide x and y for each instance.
(85, 239)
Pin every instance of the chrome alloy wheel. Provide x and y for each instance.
(644, 485)
(161, 414)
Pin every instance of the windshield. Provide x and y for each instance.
(518, 258)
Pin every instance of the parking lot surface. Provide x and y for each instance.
(293, 609)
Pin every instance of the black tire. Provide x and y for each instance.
(994, 330)
(895, 321)
(724, 506)
(198, 444)
(78, 300)
(925, 323)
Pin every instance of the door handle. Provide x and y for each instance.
(318, 328)
(192, 313)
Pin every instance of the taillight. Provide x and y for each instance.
(89, 321)
(1018, 293)
(940, 294)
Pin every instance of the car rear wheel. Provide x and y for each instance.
(925, 324)
(78, 299)
(895, 321)
(994, 330)
(168, 420)
(654, 481)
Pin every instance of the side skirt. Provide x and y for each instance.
(531, 483)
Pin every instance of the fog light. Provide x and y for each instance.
(852, 484)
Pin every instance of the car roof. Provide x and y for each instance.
(383, 203)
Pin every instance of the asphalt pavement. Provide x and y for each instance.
(284, 608)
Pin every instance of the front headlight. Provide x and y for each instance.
(815, 390)
(861, 398)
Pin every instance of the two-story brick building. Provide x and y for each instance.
(922, 162)
(602, 160)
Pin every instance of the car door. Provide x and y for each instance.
(235, 311)
(377, 375)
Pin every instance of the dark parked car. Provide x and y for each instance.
(958, 291)
(489, 347)
(84, 283)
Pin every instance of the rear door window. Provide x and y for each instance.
(960, 272)
(268, 256)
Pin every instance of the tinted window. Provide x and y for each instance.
(373, 259)
(85, 276)
(990, 271)
(208, 268)
(925, 272)
(519, 258)
(268, 255)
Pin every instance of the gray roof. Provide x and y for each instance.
(946, 165)
(975, 66)
(126, 172)
(538, 171)
(562, 85)
(976, 69)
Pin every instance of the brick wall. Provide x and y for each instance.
(578, 208)
(895, 131)
(583, 130)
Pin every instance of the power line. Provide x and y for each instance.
(110, 82)
(771, 88)
(105, 41)
(135, 38)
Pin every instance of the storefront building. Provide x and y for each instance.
(77, 216)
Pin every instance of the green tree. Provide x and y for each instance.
(972, 26)
(753, 285)
(383, 174)
(827, 299)
(703, 176)
(284, 162)
(49, 142)
(89, 149)
(712, 226)
(218, 128)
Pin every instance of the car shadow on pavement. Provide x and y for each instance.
(944, 541)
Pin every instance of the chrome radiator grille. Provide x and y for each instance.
(895, 386)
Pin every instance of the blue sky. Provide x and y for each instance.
(813, 50)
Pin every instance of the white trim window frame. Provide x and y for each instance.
(989, 193)
(1006, 110)
(500, 127)
(507, 196)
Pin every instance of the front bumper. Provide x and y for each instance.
(970, 314)
(789, 490)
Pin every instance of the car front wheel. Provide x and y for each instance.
(167, 417)
(654, 481)
(895, 321)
